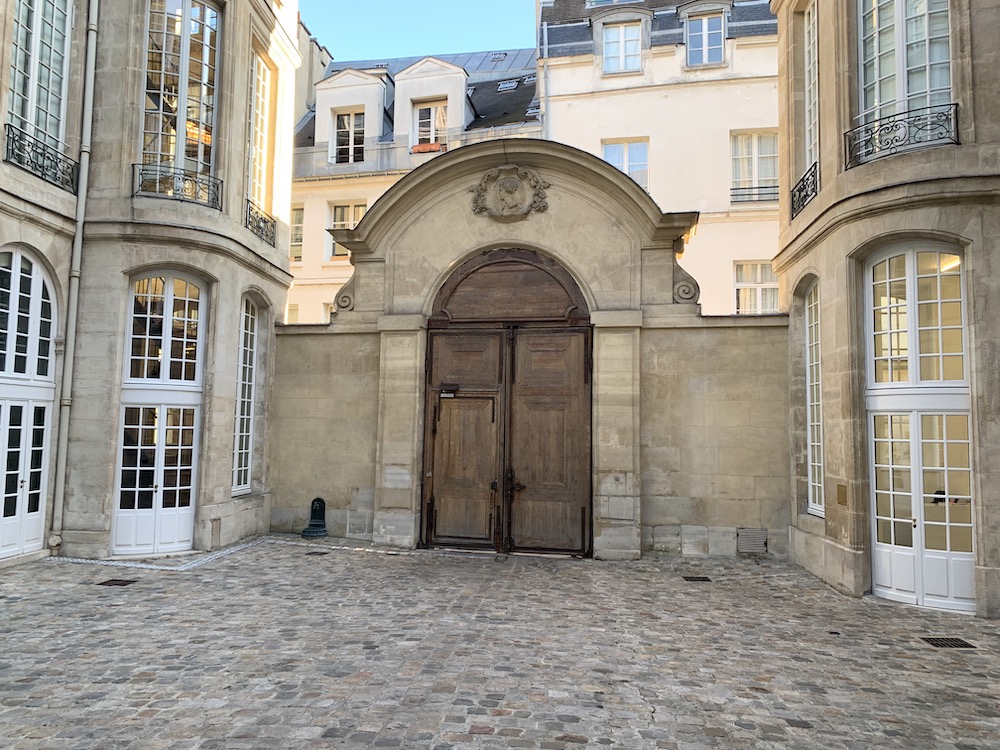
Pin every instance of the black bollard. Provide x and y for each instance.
(317, 519)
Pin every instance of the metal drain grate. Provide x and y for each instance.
(118, 582)
(948, 642)
(316, 554)
(698, 579)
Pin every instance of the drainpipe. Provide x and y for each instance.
(73, 300)
(545, 79)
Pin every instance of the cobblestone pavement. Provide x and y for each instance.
(283, 644)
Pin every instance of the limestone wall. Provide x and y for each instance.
(714, 437)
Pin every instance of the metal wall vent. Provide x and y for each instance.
(948, 642)
(316, 554)
(118, 582)
(698, 579)
(751, 541)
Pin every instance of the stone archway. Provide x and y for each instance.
(507, 450)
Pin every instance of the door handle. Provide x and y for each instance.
(517, 487)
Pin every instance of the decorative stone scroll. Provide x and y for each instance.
(509, 193)
(345, 296)
(686, 289)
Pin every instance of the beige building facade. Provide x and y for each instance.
(888, 265)
(144, 198)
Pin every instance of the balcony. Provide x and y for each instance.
(755, 194)
(805, 189)
(179, 184)
(907, 131)
(260, 223)
(35, 156)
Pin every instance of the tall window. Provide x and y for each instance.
(920, 444)
(755, 166)
(756, 288)
(705, 40)
(179, 123)
(350, 137)
(246, 383)
(814, 401)
(432, 122)
(905, 56)
(295, 240)
(260, 132)
(622, 47)
(810, 72)
(631, 157)
(345, 216)
(164, 343)
(38, 68)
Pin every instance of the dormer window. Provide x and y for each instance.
(350, 143)
(431, 120)
(705, 38)
(622, 47)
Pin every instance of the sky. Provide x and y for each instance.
(366, 29)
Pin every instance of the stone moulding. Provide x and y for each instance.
(345, 296)
(686, 289)
(509, 193)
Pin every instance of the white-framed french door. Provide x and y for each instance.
(922, 530)
(919, 427)
(157, 479)
(24, 446)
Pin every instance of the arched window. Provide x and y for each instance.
(26, 318)
(814, 401)
(165, 317)
(246, 392)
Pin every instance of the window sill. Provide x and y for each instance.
(621, 73)
(688, 68)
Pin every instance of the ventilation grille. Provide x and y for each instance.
(316, 554)
(698, 579)
(948, 642)
(118, 582)
(751, 541)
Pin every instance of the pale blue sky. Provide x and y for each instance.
(364, 29)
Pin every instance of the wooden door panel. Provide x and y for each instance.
(469, 360)
(465, 464)
(550, 442)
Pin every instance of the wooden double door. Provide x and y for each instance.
(507, 440)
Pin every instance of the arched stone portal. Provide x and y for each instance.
(507, 408)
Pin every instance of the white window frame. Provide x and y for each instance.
(353, 212)
(627, 36)
(296, 229)
(891, 47)
(166, 338)
(436, 131)
(27, 340)
(354, 146)
(815, 503)
(703, 34)
(246, 396)
(33, 117)
(758, 284)
(761, 188)
(810, 73)
(259, 147)
(886, 395)
(637, 169)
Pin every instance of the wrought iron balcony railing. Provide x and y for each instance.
(805, 189)
(37, 157)
(892, 134)
(260, 223)
(179, 184)
(753, 194)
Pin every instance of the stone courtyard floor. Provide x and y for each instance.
(286, 644)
